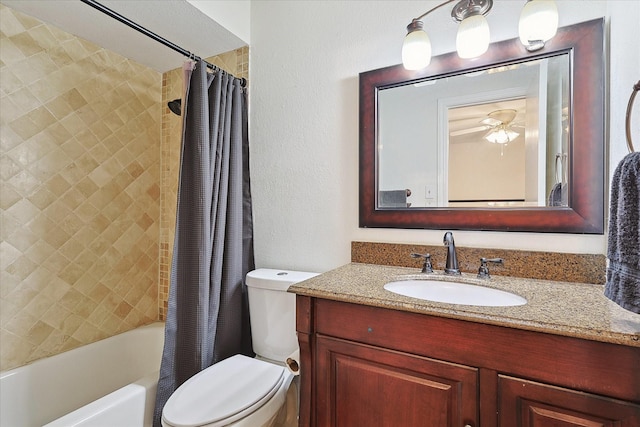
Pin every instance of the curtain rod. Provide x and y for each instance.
(115, 15)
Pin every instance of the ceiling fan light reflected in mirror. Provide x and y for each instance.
(498, 126)
(501, 132)
(500, 117)
(501, 135)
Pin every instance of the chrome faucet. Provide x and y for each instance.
(451, 267)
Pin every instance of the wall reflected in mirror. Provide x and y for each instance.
(497, 137)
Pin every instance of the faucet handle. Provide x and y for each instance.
(483, 271)
(426, 267)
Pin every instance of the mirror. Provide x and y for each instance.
(475, 139)
(513, 140)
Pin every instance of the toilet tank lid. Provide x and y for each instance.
(279, 280)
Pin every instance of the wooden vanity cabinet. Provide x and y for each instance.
(370, 366)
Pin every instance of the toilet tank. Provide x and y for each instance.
(273, 311)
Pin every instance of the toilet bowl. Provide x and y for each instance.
(248, 392)
(238, 391)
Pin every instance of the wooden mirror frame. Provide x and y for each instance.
(584, 42)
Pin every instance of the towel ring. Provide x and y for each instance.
(636, 88)
(557, 169)
(560, 172)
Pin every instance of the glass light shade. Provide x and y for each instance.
(538, 22)
(416, 50)
(473, 37)
(501, 135)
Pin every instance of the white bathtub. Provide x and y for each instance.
(108, 383)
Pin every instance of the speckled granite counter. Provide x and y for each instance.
(561, 308)
(556, 266)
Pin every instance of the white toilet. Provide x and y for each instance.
(242, 391)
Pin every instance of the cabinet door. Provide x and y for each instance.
(361, 385)
(530, 404)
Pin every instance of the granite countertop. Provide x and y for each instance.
(562, 308)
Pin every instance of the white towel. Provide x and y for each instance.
(623, 273)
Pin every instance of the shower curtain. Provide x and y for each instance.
(208, 319)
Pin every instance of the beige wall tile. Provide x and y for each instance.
(89, 170)
(75, 118)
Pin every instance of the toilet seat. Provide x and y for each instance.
(223, 393)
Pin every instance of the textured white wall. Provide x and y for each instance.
(234, 15)
(305, 61)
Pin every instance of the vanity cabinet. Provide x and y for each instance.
(371, 366)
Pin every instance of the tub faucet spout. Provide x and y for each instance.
(451, 267)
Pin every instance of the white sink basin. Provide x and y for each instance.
(454, 293)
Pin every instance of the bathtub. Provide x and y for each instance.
(111, 382)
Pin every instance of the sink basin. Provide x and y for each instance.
(455, 293)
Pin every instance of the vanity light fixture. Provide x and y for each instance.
(538, 23)
(473, 35)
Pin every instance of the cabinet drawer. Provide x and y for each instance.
(595, 367)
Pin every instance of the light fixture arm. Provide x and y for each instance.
(432, 9)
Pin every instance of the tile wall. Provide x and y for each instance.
(89, 159)
(80, 171)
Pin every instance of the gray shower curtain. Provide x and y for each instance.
(208, 319)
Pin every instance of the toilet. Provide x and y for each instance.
(248, 392)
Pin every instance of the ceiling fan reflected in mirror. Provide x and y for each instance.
(499, 125)
(502, 131)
